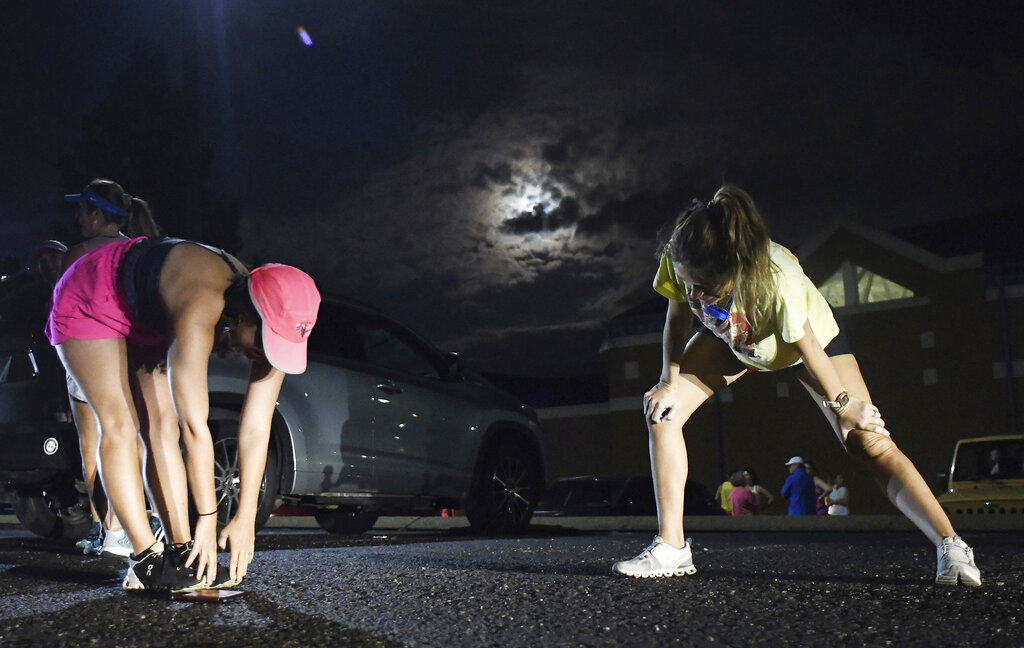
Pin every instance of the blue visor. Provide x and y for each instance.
(96, 200)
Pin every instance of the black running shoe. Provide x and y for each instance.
(145, 570)
(159, 572)
(223, 581)
(182, 578)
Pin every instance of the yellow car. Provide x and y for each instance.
(986, 477)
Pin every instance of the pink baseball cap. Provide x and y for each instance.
(287, 300)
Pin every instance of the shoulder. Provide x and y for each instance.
(79, 250)
(785, 261)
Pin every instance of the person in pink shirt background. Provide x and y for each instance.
(742, 499)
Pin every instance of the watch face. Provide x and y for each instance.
(839, 403)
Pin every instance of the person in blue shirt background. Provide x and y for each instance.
(799, 489)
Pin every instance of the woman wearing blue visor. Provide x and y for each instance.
(760, 312)
(105, 213)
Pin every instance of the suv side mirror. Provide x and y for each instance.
(941, 482)
(453, 365)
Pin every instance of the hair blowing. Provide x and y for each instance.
(725, 241)
(138, 222)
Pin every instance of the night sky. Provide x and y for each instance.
(493, 174)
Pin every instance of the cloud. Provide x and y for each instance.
(542, 209)
(538, 219)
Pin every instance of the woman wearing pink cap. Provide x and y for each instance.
(166, 304)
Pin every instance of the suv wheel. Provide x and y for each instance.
(507, 492)
(345, 521)
(45, 515)
(226, 478)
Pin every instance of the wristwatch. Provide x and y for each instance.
(839, 403)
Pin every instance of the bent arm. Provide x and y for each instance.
(822, 485)
(857, 414)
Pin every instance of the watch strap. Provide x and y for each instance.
(839, 403)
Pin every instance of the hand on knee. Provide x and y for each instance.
(864, 444)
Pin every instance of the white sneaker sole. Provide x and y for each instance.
(131, 581)
(960, 575)
(660, 573)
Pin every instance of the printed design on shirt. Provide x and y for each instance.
(739, 335)
(734, 331)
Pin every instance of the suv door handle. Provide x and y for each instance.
(389, 387)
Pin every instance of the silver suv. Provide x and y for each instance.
(381, 422)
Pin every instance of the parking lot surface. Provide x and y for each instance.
(552, 588)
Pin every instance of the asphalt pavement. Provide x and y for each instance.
(408, 587)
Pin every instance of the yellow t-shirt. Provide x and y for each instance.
(797, 301)
(725, 492)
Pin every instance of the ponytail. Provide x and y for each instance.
(140, 219)
(137, 219)
(754, 279)
(725, 241)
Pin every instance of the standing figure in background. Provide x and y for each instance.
(763, 495)
(741, 497)
(722, 496)
(838, 500)
(799, 489)
(821, 488)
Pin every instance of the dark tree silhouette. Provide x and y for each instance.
(145, 135)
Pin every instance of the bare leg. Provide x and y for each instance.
(707, 365)
(101, 368)
(89, 444)
(165, 468)
(892, 470)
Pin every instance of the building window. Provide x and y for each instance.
(852, 285)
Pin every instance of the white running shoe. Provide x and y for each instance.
(657, 560)
(116, 544)
(956, 563)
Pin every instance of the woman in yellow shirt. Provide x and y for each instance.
(760, 312)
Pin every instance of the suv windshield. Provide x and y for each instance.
(993, 459)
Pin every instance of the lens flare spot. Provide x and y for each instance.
(304, 36)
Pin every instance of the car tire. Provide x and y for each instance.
(43, 516)
(226, 480)
(506, 493)
(345, 520)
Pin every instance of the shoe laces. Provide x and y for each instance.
(955, 544)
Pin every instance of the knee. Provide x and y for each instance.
(664, 429)
(117, 431)
(862, 444)
(164, 429)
